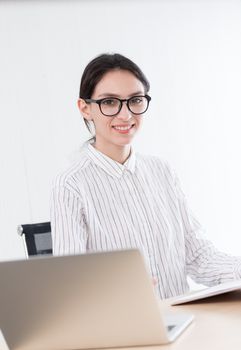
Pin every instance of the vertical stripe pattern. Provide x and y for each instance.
(99, 204)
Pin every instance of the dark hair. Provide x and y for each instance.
(102, 64)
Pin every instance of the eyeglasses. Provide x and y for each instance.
(111, 106)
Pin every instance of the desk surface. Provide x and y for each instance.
(217, 325)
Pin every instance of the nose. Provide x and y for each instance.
(125, 113)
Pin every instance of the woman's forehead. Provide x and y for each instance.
(119, 82)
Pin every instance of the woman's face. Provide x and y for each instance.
(109, 130)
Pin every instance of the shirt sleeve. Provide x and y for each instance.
(68, 226)
(204, 263)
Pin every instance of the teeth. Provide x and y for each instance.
(122, 127)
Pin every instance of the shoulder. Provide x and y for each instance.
(70, 178)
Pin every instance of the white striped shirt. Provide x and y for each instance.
(99, 204)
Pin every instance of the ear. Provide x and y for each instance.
(84, 109)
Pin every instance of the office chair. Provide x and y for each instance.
(37, 238)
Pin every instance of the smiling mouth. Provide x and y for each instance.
(123, 127)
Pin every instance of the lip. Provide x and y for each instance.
(123, 125)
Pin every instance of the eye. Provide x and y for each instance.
(109, 102)
(136, 100)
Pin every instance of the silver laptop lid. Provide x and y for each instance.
(77, 302)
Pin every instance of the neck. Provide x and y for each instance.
(117, 153)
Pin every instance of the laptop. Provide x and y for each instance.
(96, 300)
(205, 293)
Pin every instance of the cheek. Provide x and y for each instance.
(101, 122)
(139, 121)
(94, 110)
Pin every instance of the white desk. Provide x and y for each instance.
(217, 325)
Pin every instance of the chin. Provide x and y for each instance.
(123, 143)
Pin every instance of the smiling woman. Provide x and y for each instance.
(113, 198)
(115, 122)
(113, 96)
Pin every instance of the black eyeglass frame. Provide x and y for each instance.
(127, 100)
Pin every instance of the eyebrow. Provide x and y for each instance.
(109, 94)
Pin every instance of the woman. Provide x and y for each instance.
(113, 198)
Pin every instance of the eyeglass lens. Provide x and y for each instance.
(112, 106)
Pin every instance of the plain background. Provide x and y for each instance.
(191, 53)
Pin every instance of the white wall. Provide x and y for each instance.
(191, 53)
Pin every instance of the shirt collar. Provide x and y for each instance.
(109, 165)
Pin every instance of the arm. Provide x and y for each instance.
(204, 263)
(68, 227)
